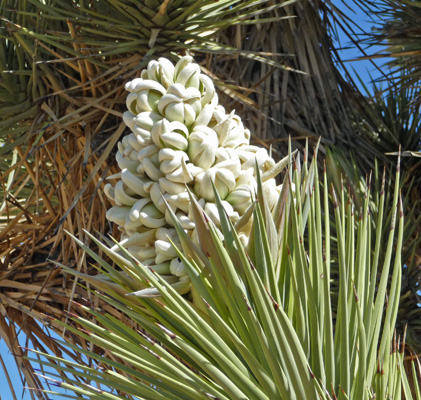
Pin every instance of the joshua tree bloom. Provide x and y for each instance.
(180, 138)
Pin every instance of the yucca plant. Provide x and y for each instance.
(261, 324)
(63, 67)
(64, 57)
(276, 314)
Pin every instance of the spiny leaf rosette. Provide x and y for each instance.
(182, 140)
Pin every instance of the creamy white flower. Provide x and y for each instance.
(124, 147)
(151, 217)
(109, 191)
(143, 124)
(180, 201)
(166, 233)
(247, 177)
(171, 187)
(134, 142)
(156, 195)
(271, 193)
(129, 119)
(180, 104)
(249, 155)
(165, 251)
(147, 238)
(145, 253)
(185, 221)
(177, 267)
(170, 160)
(223, 180)
(205, 116)
(170, 134)
(122, 195)
(188, 76)
(151, 171)
(219, 115)
(131, 226)
(162, 268)
(211, 211)
(183, 63)
(226, 153)
(240, 198)
(126, 163)
(176, 167)
(161, 71)
(144, 96)
(118, 214)
(231, 132)
(134, 182)
(150, 153)
(203, 143)
(232, 164)
(134, 214)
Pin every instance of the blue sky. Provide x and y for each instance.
(20, 391)
(363, 68)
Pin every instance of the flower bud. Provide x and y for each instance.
(144, 96)
(225, 153)
(223, 180)
(118, 214)
(170, 134)
(250, 154)
(182, 63)
(204, 116)
(189, 76)
(126, 163)
(170, 160)
(231, 132)
(143, 125)
(121, 195)
(271, 193)
(180, 104)
(164, 251)
(151, 217)
(203, 143)
(150, 153)
(146, 238)
(171, 187)
(129, 119)
(180, 201)
(161, 71)
(134, 182)
(211, 211)
(177, 267)
(173, 166)
(109, 191)
(240, 198)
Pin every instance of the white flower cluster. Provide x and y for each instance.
(180, 136)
